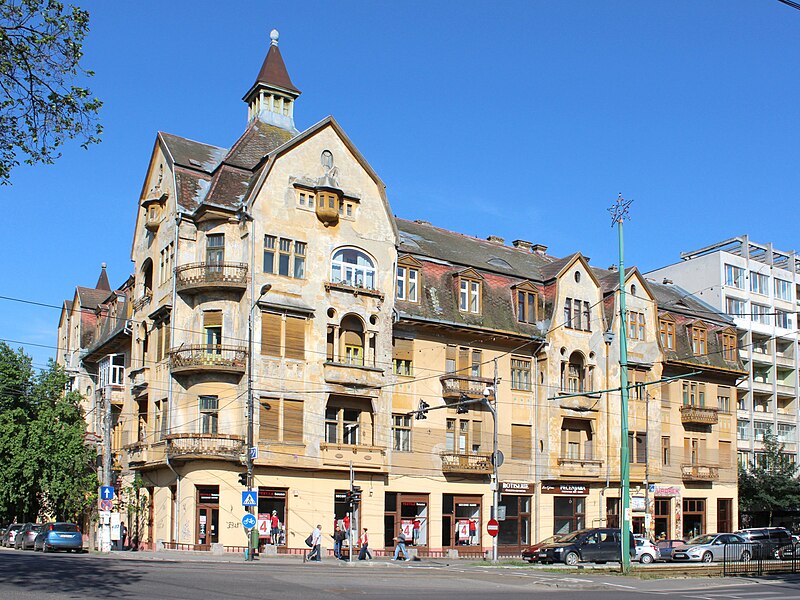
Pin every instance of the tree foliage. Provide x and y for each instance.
(771, 485)
(46, 470)
(41, 103)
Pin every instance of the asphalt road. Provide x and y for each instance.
(26, 576)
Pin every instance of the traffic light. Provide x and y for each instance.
(355, 495)
(243, 479)
(420, 414)
(461, 407)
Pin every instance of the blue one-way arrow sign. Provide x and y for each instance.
(249, 498)
(106, 492)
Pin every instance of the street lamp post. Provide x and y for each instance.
(487, 393)
(248, 451)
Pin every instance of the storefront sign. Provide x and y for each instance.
(508, 487)
(265, 493)
(565, 489)
(638, 504)
(669, 491)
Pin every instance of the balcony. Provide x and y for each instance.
(785, 391)
(139, 379)
(142, 301)
(579, 467)
(198, 277)
(207, 446)
(356, 290)
(456, 386)
(341, 456)
(698, 472)
(699, 415)
(466, 464)
(141, 454)
(762, 386)
(353, 375)
(201, 358)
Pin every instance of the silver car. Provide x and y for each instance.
(714, 546)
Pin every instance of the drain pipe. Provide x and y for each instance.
(170, 395)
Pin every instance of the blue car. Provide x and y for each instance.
(59, 536)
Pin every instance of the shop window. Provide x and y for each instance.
(569, 514)
(461, 520)
(612, 512)
(407, 513)
(515, 529)
(694, 517)
(269, 500)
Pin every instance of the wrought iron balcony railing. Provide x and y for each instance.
(208, 358)
(202, 276)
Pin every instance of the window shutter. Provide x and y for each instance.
(464, 363)
(402, 349)
(212, 318)
(725, 455)
(269, 415)
(521, 442)
(353, 338)
(295, 338)
(166, 330)
(687, 451)
(292, 420)
(270, 334)
(477, 427)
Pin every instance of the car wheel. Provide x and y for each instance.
(745, 556)
(646, 559)
(571, 559)
(44, 548)
(707, 557)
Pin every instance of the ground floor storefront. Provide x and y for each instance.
(203, 506)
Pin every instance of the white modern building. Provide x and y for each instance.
(759, 287)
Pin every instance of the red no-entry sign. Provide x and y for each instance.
(492, 527)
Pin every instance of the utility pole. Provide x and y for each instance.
(352, 511)
(619, 213)
(495, 460)
(253, 538)
(105, 530)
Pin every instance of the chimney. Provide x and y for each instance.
(495, 239)
(539, 249)
(522, 245)
(613, 268)
(421, 222)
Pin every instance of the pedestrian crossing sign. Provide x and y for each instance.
(249, 498)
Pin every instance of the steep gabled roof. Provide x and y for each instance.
(192, 155)
(273, 72)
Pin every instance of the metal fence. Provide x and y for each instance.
(755, 559)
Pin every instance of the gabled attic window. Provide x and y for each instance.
(408, 279)
(470, 288)
(527, 300)
(729, 345)
(666, 328)
(699, 336)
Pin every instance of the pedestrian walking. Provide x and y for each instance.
(363, 542)
(338, 537)
(314, 541)
(123, 533)
(400, 546)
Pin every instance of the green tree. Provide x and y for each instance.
(46, 468)
(41, 104)
(771, 484)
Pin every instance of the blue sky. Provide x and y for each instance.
(517, 119)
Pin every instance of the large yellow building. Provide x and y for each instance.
(383, 348)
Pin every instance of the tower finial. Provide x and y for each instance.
(273, 35)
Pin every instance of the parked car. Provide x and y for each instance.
(767, 541)
(646, 551)
(665, 547)
(600, 544)
(531, 553)
(27, 535)
(59, 536)
(11, 534)
(712, 546)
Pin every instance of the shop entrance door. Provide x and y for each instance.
(207, 519)
(461, 521)
(272, 499)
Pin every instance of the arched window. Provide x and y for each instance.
(576, 374)
(147, 277)
(353, 267)
(351, 342)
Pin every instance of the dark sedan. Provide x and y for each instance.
(531, 553)
(59, 536)
(667, 546)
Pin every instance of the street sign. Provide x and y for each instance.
(106, 505)
(254, 453)
(106, 492)
(492, 527)
(250, 498)
(249, 521)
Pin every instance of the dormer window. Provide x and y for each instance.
(729, 345)
(699, 339)
(527, 302)
(667, 333)
(407, 279)
(469, 297)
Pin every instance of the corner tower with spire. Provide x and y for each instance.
(271, 98)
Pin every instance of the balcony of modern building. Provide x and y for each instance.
(460, 386)
(762, 403)
(466, 463)
(203, 276)
(699, 415)
(205, 446)
(208, 358)
(762, 381)
(785, 353)
(362, 457)
(786, 408)
(699, 472)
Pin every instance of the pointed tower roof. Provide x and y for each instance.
(271, 98)
(273, 71)
(102, 281)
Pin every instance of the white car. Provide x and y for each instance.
(646, 551)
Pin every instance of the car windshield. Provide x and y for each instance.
(64, 527)
(570, 537)
(36, 527)
(701, 539)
